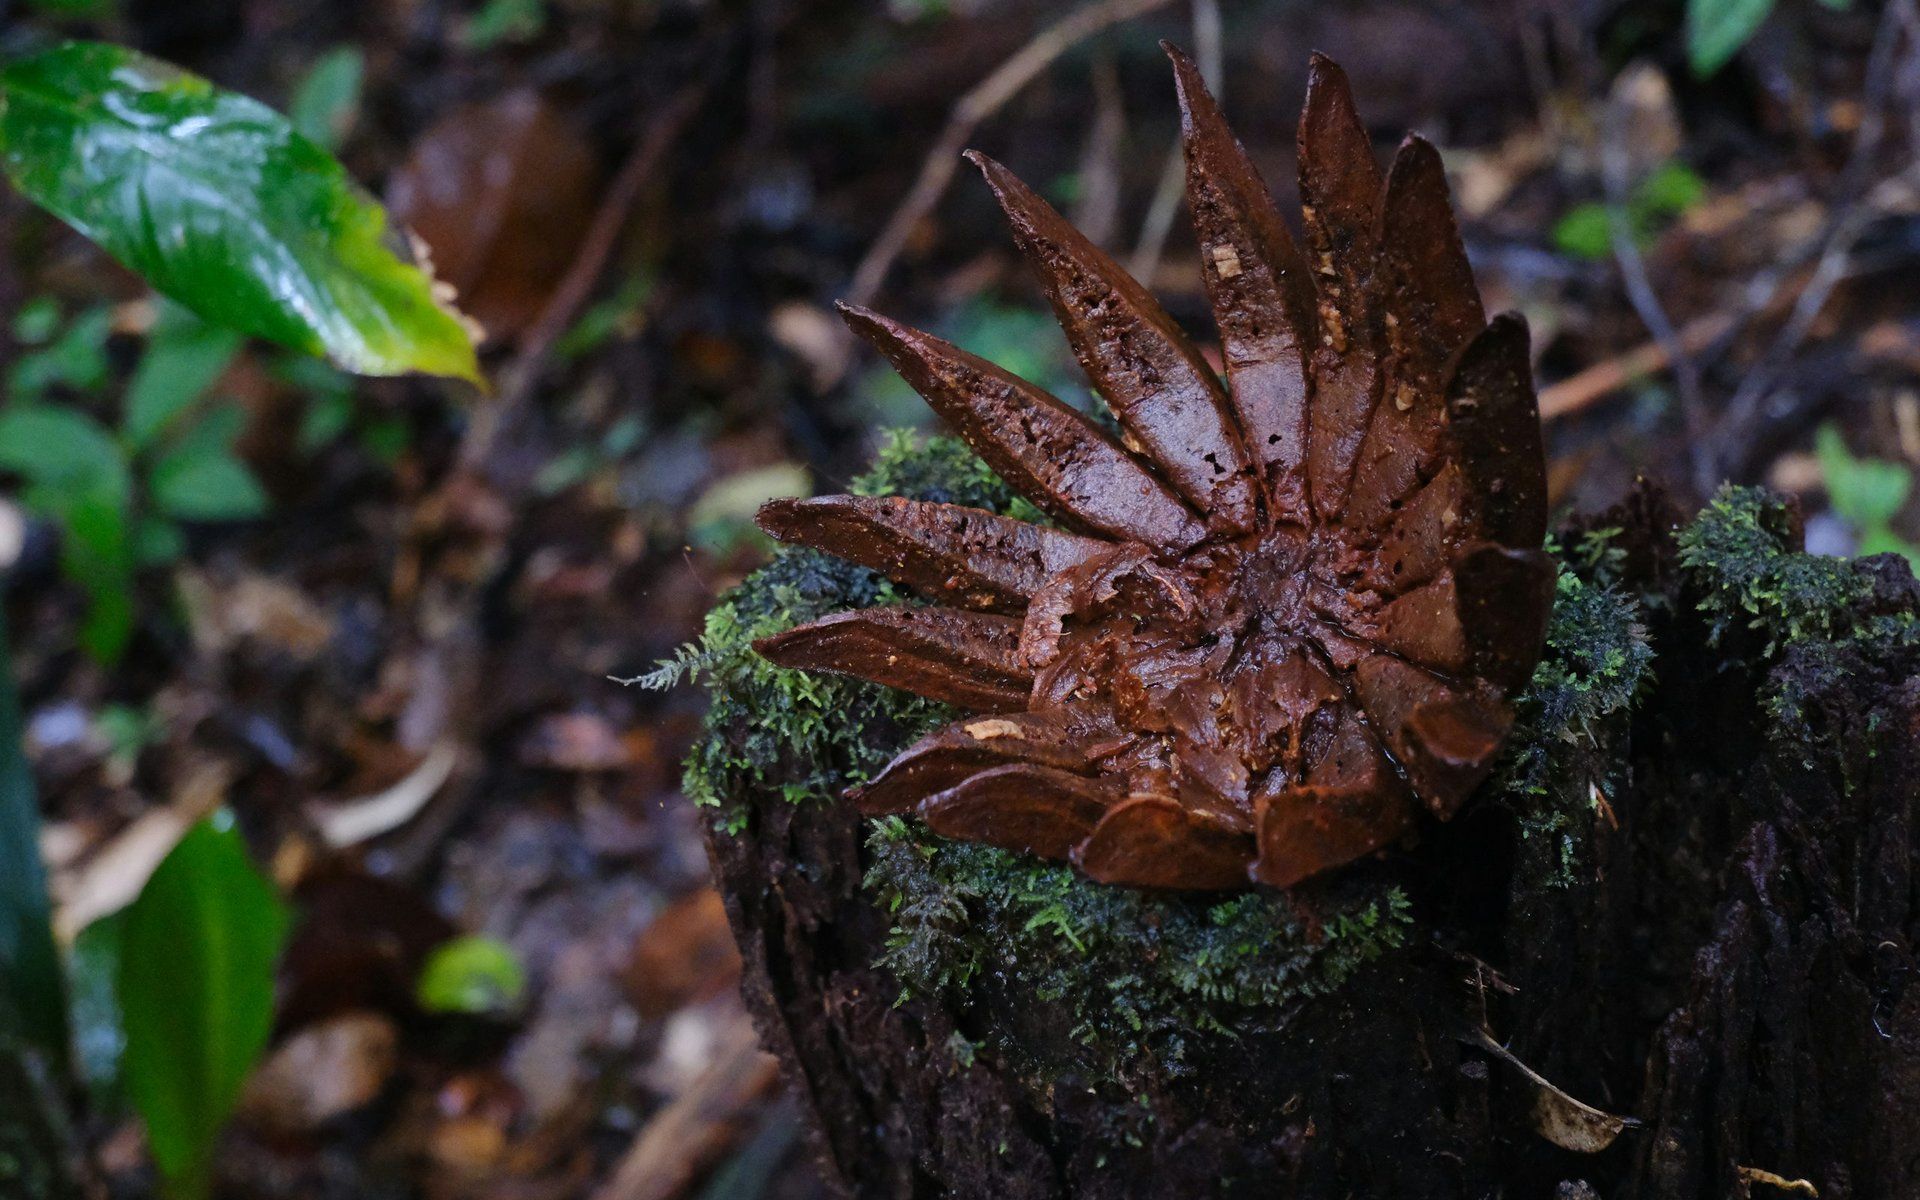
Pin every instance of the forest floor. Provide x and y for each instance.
(401, 678)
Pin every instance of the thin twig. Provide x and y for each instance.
(1850, 217)
(1698, 336)
(576, 287)
(1209, 51)
(1609, 375)
(1616, 170)
(977, 105)
(1096, 211)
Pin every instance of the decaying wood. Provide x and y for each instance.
(1732, 977)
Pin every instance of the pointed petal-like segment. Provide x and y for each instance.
(1340, 206)
(1306, 830)
(1419, 537)
(1444, 736)
(964, 658)
(1505, 601)
(1257, 283)
(1063, 739)
(1022, 807)
(1154, 842)
(1153, 377)
(1429, 311)
(1495, 429)
(1424, 625)
(948, 552)
(1049, 453)
(1351, 805)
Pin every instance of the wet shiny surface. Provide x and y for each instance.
(1292, 612)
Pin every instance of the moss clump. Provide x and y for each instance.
(1137, 974)
(1742, 552)
(1564, 750)
(807, 736)
(1820, 620)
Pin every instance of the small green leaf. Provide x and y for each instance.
(1672, 189)
(206, 484)
(503, 21)
(329, 400)
(1585, 232)
(78, 478)
(385, 438)
(1866, 492)
(96, 552)
(184, 356)
(324, 104)
(77, 359)
(471, 975)
(30, 973)
(1716, 29)
(219, 203)
(196, 981)
(73, 8)
(157, 542)
(62, 449)
(37, 320)
(1885, 541)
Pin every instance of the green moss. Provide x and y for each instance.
(1136, 974)
(803, 735)
(1564, 748)
(1739, 551)
(1820, 620)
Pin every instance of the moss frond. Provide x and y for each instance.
(1138, 973)
(1740, 551)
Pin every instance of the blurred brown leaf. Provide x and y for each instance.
(322, 1072)
(501, 193)
(358, 947)
(685, 956)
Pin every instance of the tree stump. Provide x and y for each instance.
(1687, 900)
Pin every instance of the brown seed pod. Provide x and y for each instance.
(1287, 613)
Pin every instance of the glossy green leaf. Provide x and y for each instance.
(219, 203)
(196, 979)
(183, 358)
(471, 975)
(30, 972)
(1716, 29)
